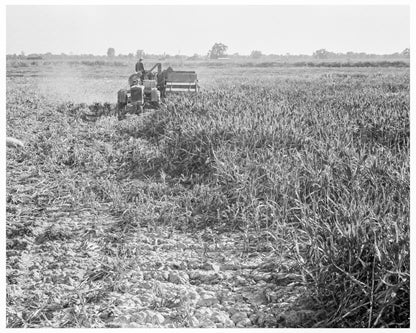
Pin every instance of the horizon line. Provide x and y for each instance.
(206, 54)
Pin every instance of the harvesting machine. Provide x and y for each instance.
(148, 90)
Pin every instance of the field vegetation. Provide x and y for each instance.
(221, 63)
(313, 161)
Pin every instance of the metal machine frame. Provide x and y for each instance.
(166, 81)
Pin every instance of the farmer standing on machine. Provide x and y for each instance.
(140, 68)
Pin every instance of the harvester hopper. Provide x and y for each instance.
(181, 81)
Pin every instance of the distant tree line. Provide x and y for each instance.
(219, 51)
(324, 54)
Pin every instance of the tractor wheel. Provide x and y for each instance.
(121, 105)
(122, 100)
(121, 111)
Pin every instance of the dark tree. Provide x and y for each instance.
(217, 51)
(111, 52)
(139, 54)
(256, 54)
(321, 54)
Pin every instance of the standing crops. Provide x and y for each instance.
(323, 166)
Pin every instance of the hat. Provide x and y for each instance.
(140, 59)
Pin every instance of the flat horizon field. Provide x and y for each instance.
(276, 197)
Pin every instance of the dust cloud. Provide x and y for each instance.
(80, 84)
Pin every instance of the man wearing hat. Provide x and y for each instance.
(139, 66)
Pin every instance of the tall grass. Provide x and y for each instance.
(325, 167)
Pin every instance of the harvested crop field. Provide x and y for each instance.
(276, 197)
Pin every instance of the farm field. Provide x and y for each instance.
(276, 197)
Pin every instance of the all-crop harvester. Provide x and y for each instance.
(148, 90)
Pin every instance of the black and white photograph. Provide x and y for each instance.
(210, 165)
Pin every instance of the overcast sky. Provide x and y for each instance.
(301, 29)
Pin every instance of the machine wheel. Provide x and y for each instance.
(121, 111)
(121, 106)
(121, 115)
(122, 99)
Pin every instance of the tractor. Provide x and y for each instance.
(148, 90)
